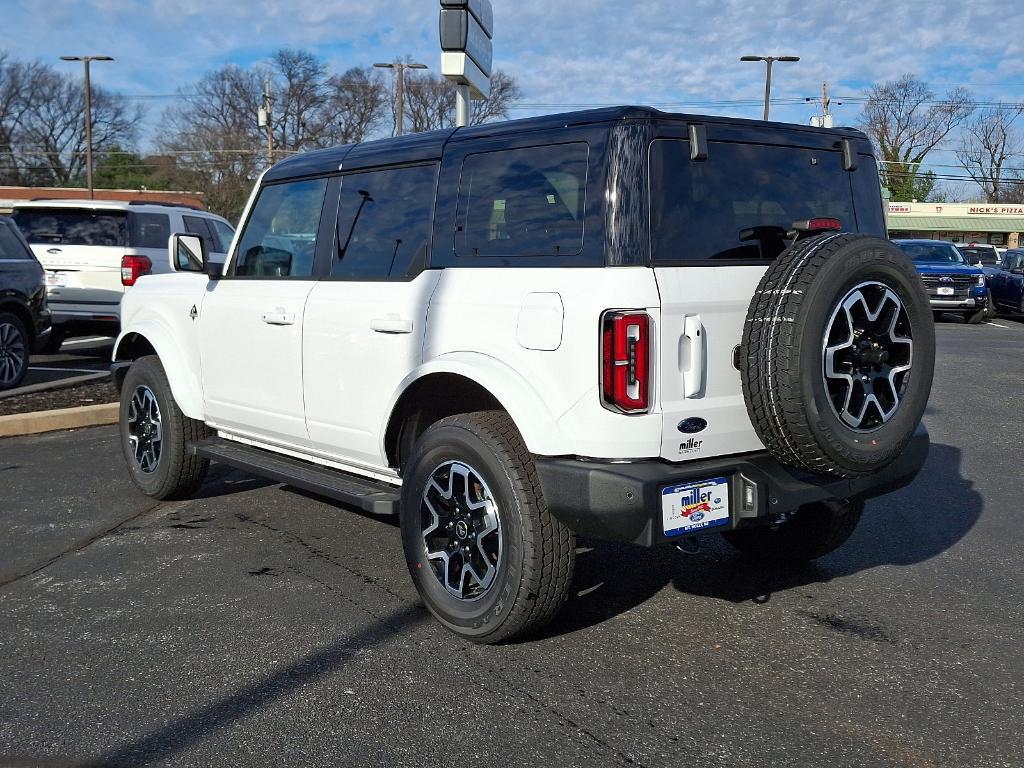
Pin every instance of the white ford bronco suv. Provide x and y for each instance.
(619, 323)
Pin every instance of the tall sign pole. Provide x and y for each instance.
(467, 53)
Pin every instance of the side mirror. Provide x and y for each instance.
(187, 252)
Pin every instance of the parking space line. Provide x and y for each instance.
(997, 325)
(68, 370)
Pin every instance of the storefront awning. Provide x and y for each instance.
(956, 223)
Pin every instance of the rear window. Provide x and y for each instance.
(976, 255)
(69, 226)
(523, 202)
(740, 204)
(942, 253)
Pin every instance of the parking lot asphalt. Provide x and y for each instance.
(256, 625)
(76, 357)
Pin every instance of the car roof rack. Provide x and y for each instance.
(165, 204)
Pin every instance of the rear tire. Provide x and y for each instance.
(53, 342)
(486, 556)
(155, 434)
(811, 532)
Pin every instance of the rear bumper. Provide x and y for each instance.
(623, 501)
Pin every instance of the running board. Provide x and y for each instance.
(369, 495)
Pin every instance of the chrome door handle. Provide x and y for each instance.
(279, 318)
(391, 325)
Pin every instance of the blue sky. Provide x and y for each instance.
(679, 55)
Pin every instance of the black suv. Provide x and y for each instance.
(24, 318)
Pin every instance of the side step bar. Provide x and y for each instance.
(370, 496)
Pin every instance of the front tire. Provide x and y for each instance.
(811, 532)
(487, 558)
(155, 434)
(15, 349)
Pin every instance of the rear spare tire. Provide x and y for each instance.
(837, 355)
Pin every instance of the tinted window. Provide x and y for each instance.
(11, 246)
(197, 225)
(523, 202)
(943, 253)
(148, 230)
(384, 222)
(67, 226)
(742, 201)
(975, 255)
(279, 239)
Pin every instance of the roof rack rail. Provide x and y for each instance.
(165, 204)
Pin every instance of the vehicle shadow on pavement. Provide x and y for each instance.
(909, 527)
(183, 733)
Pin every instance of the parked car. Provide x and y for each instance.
(92, 250)
(1006, 282)
(618, 323)
(952, 284)
(980, 254)
(24, 316)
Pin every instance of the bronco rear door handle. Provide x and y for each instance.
(279, 318)
(392, 324)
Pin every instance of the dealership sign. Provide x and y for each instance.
(467, 53)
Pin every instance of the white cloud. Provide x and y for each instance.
(569, 52)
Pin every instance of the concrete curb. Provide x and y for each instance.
(64, 418)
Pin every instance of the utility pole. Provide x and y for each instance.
(265, 117)
(769, 60)
(399, 67)
(88, 116)
(824, 120)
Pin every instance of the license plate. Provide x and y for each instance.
(945, 290)
(56, 279)
(695, 506)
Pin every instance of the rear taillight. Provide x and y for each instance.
(626, 361)
(134, 267)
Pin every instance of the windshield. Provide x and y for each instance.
(979, 254)
(943, 253)
(68, 226)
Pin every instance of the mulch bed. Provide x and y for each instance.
(89, 393)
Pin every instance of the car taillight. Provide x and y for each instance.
(819, 224)
(134, 267)
(626, 361)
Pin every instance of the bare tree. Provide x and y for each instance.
(42, 126)
(430, 101)
(988, 144)
(300, 94)
(212, 131)
(357, 102)
(906, 122)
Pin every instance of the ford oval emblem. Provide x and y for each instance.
(693, 425)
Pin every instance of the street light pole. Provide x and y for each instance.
(768, 60)
(88, 115)
(400, 67)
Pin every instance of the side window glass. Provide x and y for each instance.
(148, 230)
(384, 222)
(279, 239)
(223, 232)
(197, 225)
(523, 202)
(10, 246)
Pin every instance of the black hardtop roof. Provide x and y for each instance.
(419, 147)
